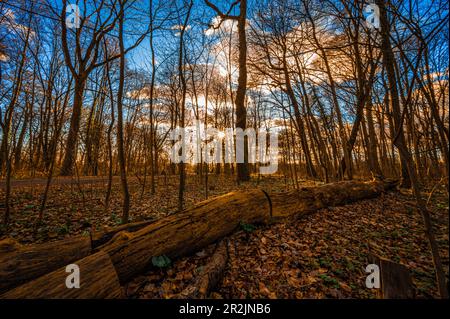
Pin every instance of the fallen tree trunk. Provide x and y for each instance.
(19, 264)
(310, 199)
(205, 223)
(98, 280)
(208, 221)
(185, 232)
(210, 276)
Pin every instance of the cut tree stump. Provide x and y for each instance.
(20, 264)
(395, 279)
(192, 229)
(210, 276)
(98, 280)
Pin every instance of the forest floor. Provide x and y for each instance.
(322, 255)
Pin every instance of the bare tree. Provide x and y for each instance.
(241, 113)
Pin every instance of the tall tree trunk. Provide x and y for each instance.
(72, 138)
(372, 141)
(181, 166)
(108, 136)
(399, 141)
(241, 112)
(299, 121)
(152, 89)
(120, 139)
(342, 132)
(6, 127)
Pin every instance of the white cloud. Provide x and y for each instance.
(217, 25)
(180, 27)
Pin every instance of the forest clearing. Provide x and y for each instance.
(196, 149)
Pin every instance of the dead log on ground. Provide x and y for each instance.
(186, 232)
(210, 276)
(211, 220)
(20, 264)
(98, 280)
(205, 223)
(310, 199)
